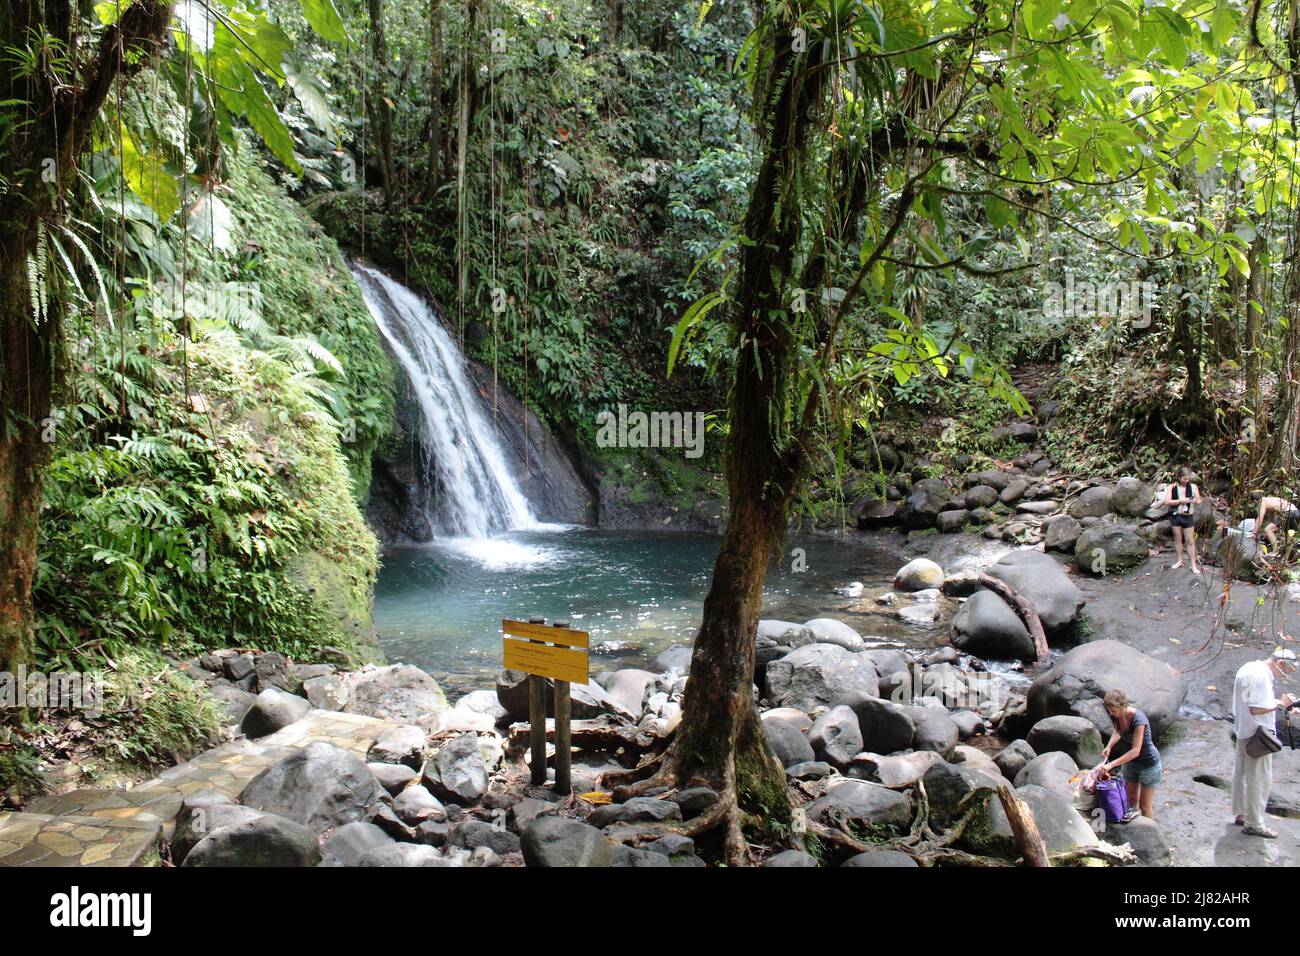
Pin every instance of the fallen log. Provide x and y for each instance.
(1023, 827)
(600, 733)
(1024, 609)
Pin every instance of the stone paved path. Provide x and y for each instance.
(94, 827)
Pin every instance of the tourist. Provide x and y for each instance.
(1139, 761)
(1183, 496)
(1254, 712)
(1286, 511)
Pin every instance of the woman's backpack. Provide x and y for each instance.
(1112, 798)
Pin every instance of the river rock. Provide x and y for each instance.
(918, 575)
(933, 730)
(863, 803)
(896, 771)
(1012, 758)
(924, 502)
(636, 810)
(202, 814)
(1092, 502)
(787, 740)
(887, 662)
(1041, 580)
(676, 659)
(981, 496)
(1132, 497)
(395, 692)
(987, 627)
(786, 633)
(326, 692)
(403, 855)
(1060, 825)
(885, 727)
(234, 703)
(827, 630)
(457, 772)
(404, 745)
(1238, 553)
(265, 840)
(627, 688)
(1060, 532)
(320, 786)
(393, 777)
(791, 858)
(947, 785)
(1144, 837)
(892, 858)
(472, 834)
(969, 724)
(1014, 491)
(1108, 547)
(1075, 736)
(819, 674)
(809, 770)
(1076, 683)
(415, 804)
(559, 841)
(1052, 770)
(485, 702)
(273, 710)
(835, 736)
(992, 477)
(952, 521)
(350, 842)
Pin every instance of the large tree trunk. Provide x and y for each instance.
(381, 109)
(437, 66)
(720, 742)
(27, 362)
(39, 163)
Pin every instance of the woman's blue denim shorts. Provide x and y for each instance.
(1148, 774)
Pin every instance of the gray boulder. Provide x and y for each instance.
(1051, 770)
(865, 804)
(274, 709)
(933, 730)
(1012, 758)
(415, 804)
(325, 692)
(952, 521)
(265, 840)
(1041, 580)
(636, 810)
(1014, 491)
(393, 777)
(1132, 497)
(881, 858)
(559, 841)
(396, 692)
(819, 674)
(1108, 547)
(884, 727)
(1076, 683)
(320, 786)
(1061, 826)
(836, 737)
(895, 771)
(202, 814)
(981, 496)
(827, 630)
(950, 789)
(787, 740)
(924, 502)
(627, 688)
(1075, 736)
(1145, 838)
(919, 574)
(1060, 532)
(349, 843)
(1092, 502)
(987, 627)
(457, 772)
(791, 858)
(787, 634)
(404, 745)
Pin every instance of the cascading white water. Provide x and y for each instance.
(477, 496)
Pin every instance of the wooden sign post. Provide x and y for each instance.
(541, 651)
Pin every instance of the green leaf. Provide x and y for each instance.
(147, 177)
(325, 20)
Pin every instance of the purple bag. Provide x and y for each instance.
(1112, 798)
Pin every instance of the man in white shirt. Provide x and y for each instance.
(1254, 706)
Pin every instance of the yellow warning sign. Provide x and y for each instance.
(545, 632)
(544, 660)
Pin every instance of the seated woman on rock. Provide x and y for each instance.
(1139, 760)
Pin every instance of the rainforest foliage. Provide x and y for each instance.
(894, 202)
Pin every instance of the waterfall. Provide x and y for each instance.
(476, 495)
